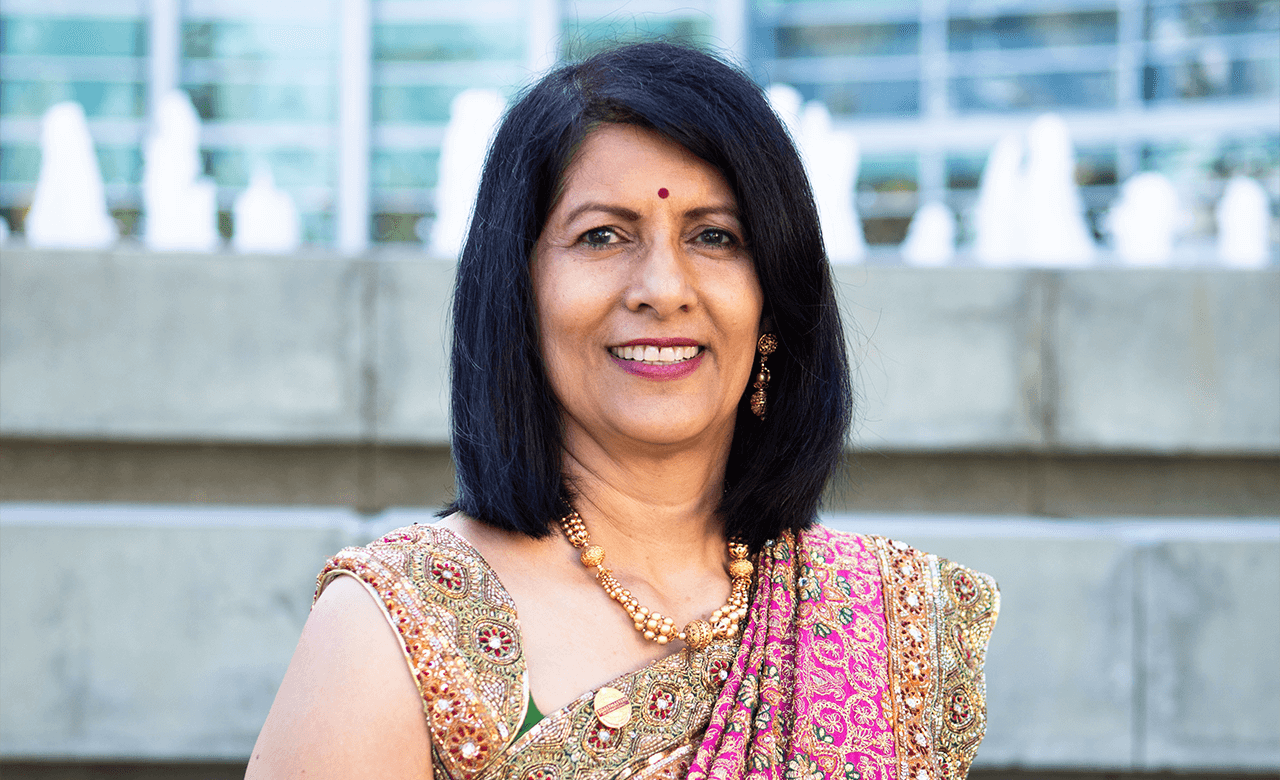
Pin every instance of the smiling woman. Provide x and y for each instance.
(633, 548)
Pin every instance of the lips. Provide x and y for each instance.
(659, 359)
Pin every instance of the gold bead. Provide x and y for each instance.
(697, 634)
(593, 555)
(662, 639)
(649, 635)
(737, 569)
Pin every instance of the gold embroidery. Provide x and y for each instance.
(940, 616)
(970, 604)
(461, 640)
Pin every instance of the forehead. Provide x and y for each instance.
(621, 158)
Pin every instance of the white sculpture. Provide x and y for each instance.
(997, 219)
(179, 205)
(1145, 219)
(1029, 209)
(931, 237)
(474, 115)
(1244, 221)
(831, 160)
(69, 210)
(265, 217)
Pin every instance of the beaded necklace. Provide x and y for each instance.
(724, 623)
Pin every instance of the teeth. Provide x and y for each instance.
(654, 355)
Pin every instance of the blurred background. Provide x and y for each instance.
(225, 260)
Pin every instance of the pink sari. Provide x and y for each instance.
(861, 660)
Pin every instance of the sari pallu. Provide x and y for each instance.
(861, 659)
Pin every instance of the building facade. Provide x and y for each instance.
(347, 100)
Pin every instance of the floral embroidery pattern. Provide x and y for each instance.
(941, 615)
(661, 705)
(497, 642)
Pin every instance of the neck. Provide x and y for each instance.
(655, 515)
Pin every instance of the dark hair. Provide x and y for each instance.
(506, 431)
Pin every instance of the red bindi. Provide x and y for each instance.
(662, 193)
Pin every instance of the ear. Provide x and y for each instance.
(766, 325)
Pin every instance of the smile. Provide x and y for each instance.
(655, 356)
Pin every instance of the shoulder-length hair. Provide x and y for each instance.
(506, 423)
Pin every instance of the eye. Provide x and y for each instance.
(599, 237)
(718, 238)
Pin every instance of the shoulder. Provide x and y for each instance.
(458, 629)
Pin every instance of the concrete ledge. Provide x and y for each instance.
(134, 346)
(161, 633)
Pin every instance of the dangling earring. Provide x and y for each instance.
(767, 344)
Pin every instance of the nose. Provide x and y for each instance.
(662, 279)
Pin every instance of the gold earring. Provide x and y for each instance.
(767, 344)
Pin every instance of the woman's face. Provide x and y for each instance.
(648, 303)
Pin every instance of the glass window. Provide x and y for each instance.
(1032, 31)
(223, 102)
(414, 103)
(73, 37)
(19, 162)
(1035, 91)
(865, 99)
(1172, 22)
(964, 171)
(1096, 167)
(424, 56)
(99, 99)
(257, 82)
(396, 168)
(246, 40)
(448, 41)
(1206, 74)
(887, 199)
(831, 40)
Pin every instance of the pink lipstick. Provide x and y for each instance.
(659, 372)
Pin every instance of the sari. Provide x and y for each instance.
(861, 659)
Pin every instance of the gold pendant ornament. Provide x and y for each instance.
(612, 707)
(766, 345)
(724, 623)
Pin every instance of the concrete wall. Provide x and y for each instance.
(121, 346)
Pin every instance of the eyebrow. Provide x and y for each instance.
(625, 213)
(628, 214)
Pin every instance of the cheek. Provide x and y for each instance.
(568, 311)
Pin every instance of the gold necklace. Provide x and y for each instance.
(723, 623)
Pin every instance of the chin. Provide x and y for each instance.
(668, 428)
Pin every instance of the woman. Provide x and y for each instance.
(649, 394)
